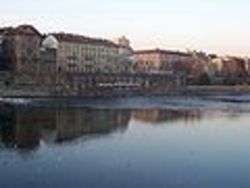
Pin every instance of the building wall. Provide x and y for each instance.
(148, 62)
(47, 74)
(159, 60)
(3, 55)
(233, 68)
(79, 54)
(23, 46)
(83, 57)
(247, 66)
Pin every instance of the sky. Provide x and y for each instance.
(213, 26)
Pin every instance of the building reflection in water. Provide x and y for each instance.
(25, 128)
(158, 116)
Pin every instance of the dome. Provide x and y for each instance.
(50, 42)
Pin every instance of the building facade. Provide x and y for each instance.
(231, 70)
(3, 58)
(76, 53)
(230, 66)
(22, 47)
(247, 66)
(159, 61)
(125, 48)
(69, 64)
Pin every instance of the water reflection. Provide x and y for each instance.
(25, 128)
(159, 116)
(119, 151)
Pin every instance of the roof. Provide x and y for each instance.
(4, 30)
(19, 30)
(74, 38)
(160, 51)
(22, 28)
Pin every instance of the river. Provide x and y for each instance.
(132, 142)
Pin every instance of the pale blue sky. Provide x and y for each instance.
(216, 26)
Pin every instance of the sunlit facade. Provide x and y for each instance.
(76, 53)
(157, 61)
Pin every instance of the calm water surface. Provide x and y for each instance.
(125, 147)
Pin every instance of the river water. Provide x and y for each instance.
(143, 142)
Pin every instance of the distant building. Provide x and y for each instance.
(217, 65)
(199, 69)
(47, 62)
(156, 61)
(125, 57)
(22, 46)
(232, 70)
(48, 51)
(3, 57)
(1, 46)
(124, 46)
(76, 53)
(233, 67)
(247, 66)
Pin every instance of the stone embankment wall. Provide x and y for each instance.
(87, 85)
(218, 90)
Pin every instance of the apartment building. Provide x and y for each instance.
(77, 53)
(157, 61)
(21, 46)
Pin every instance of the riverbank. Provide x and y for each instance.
(217, 90)
(187, 91)
(209, 102)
